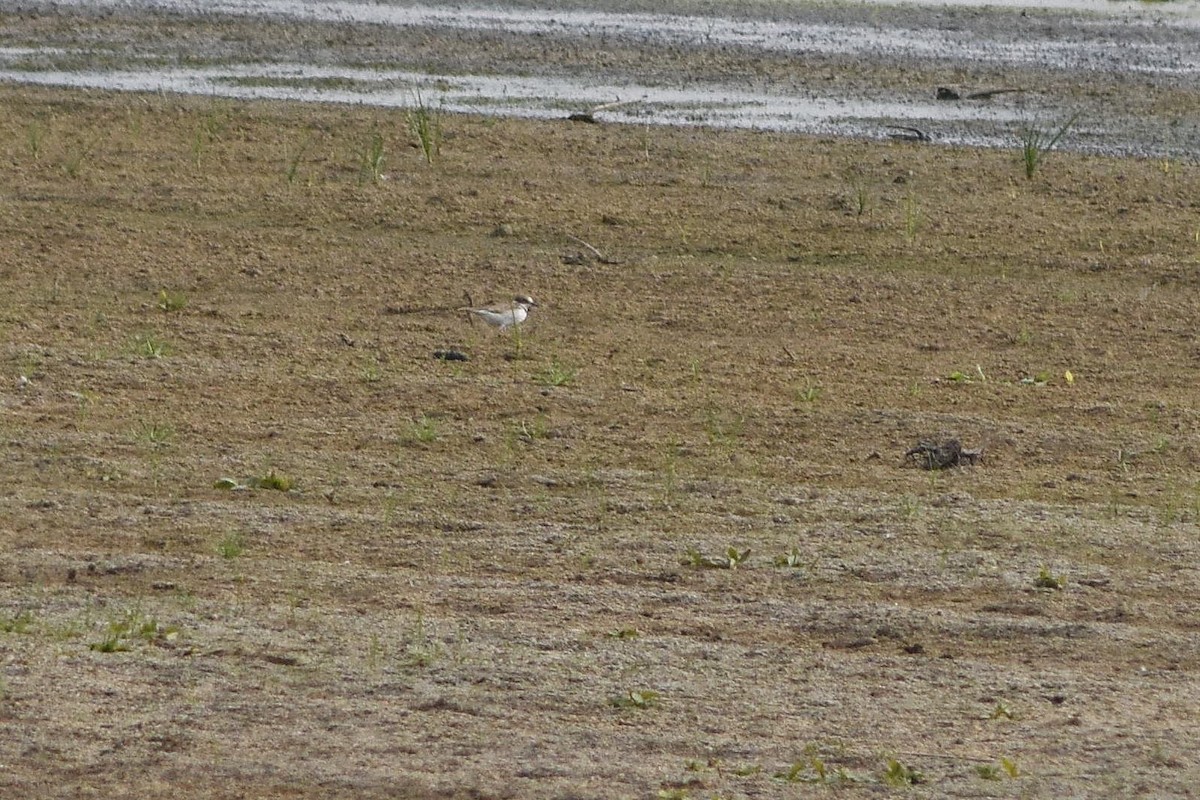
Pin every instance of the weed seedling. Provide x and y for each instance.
(1047, 580)
(643, 698)
(18, 623)
(620, 633)
(206, 132)
(556, 374)
(723, 427)
(531, 430)
(271, 480)
(149, 345)
(812, 770)
(132, 625)
(371, 160)
(732, 558)
(375, 652)
(989, 772)
(1002, 711)
(859, 193)
(371, 372)
(274, 480)
(424, 430)
(670, 472)
(897, 774)
(171, 301)
(35, 134)
(425, 125)
(294, 159)
(421, 650)
(75, 161)
(912, 217)
(793, 559)
(231, 546)
(1036, 142)
(158, 434)
(809, 393)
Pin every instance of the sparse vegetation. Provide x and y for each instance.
(125, 629)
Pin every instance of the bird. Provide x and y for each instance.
(504, 316)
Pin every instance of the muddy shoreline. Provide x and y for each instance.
(822, 69)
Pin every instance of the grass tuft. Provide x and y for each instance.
(1036, 142)
(169, 302)
(425, 125)
(231, 546)
(556, 374)
(637, 698)
(371, 159)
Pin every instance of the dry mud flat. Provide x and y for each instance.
(503, 577)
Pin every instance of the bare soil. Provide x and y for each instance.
(505, 577)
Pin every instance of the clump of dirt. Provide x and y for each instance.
(432, 577)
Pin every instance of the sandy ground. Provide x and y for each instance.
(259, 542)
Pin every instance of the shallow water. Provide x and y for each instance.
(1158, 41)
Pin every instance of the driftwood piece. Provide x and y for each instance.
(941, 455)
(910, 134)
(946, 93)
(589, 116)
(593, 254)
